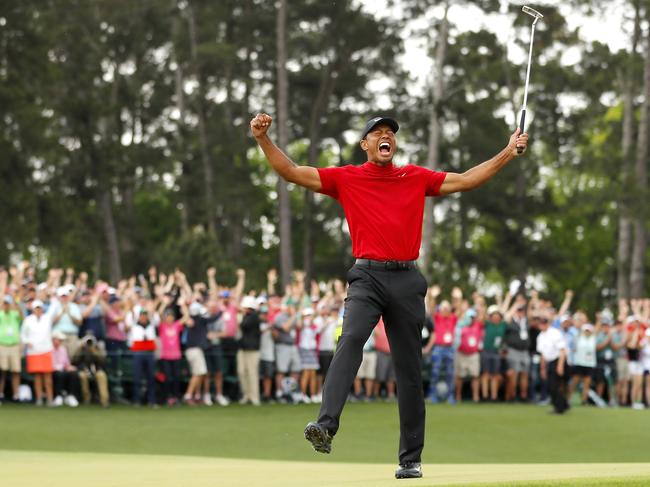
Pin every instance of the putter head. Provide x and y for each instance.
(532, 12)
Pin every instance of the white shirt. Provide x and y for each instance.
(327, 327)
(139, 333)
(37, 333)
(549, 344)
(308, 334)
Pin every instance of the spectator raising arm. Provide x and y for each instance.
(457, 301)
(212, 282)
(271, 281)
(505, 304)
(432, 298)
(239, 287)
(564, 307)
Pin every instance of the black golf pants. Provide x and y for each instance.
(557, 387)
(398, 296)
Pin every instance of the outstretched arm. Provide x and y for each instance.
(288, 170)
(478, 175)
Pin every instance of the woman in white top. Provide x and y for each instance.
(584, 361)
(36, 335)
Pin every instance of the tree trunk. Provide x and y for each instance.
(328, 81)
(433, 150)
(624, 246)
(179, 139)
(106, 210)
(637, 272)
(624, 218)
(206, 160)
(282, 120)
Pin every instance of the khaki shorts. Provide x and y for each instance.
(467, 365)
(10, 358)
(368, 368)
(196, 359)
(622, 369)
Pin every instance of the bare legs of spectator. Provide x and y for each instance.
(586, 384)
(622, 388)
(308, 383)
(15, 383)
(475, 388)
(194, 388)
(390, 389)
(368, 390)
(485, 386)
(38, 388)
(278, 382)
(511, 385)
(267, 385)
(523, 386)
(206, 386)
(43, 381)
(494, 382)
(218, 383)
(637, 389)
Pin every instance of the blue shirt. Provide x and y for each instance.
(65, 324)
(570, 336)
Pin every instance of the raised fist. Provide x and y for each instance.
(260, 124)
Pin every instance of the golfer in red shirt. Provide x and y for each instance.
(384, 207)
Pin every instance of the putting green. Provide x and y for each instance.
(49, 469)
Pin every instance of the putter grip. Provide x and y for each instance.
(521, 129)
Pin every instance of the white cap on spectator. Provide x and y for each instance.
(249, 302)
(71, 288)
(494, 309)
(587, 327)
(63, 291)
(112, 290)
(37, 303)
(196, 308)
(308, 311)
(8, 299)
(59, 335)
(42, 286)
(565, 317)
(632, 319)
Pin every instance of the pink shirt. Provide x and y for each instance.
(114, 329)
(60, 358)
(170, 340)
(470, 338)
(444, 327)
(230, 319)
(381, 340)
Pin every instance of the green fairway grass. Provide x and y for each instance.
(369, 433)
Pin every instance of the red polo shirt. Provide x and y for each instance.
(384, 206)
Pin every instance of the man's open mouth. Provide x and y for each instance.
(384, 148)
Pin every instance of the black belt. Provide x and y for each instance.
(387, 265)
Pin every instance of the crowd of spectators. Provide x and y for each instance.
(161, 340)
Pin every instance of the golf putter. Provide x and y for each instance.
(536, 15)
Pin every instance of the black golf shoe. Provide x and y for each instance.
(409, 470)
(319, 438)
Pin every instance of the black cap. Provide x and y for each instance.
(373, 122)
